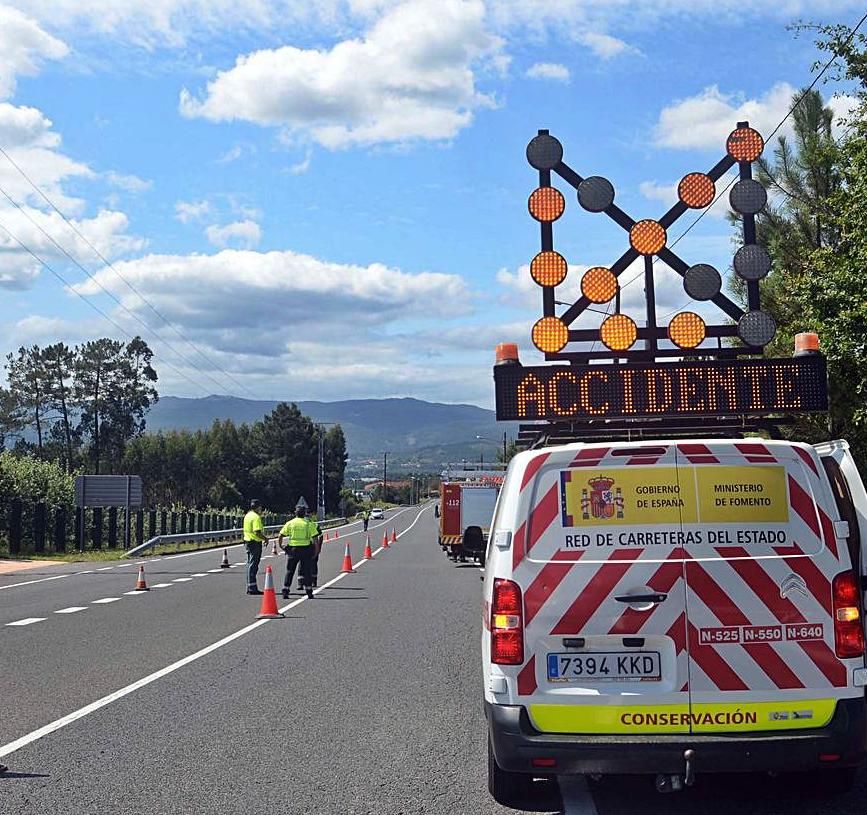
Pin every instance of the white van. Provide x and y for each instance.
(674, 608)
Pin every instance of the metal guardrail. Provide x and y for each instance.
(216, 535)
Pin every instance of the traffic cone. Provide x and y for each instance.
(336, 534)
(141, 583)
(225, 563)
(368, 552)
(385, 540)
(325, 539)
(269, 599)
(393, 535)
(347, 561)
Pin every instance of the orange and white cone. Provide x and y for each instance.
(225, 562)
(141, 583)
(347, 561)
(269, 599)
(393, 535)
(336, 534)
(385, 540)
(368, 552)
(325, 539)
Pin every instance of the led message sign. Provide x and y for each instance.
(755, 387)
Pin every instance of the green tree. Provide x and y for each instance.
(114, 388)
(27, 383)
(335, 467)
(57, 364)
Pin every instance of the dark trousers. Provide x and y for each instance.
(254, 555)
(299, 556)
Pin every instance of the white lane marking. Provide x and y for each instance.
(40, 580)
(576, 796)
(27, 621)
(12, 746)
(200, 574)
(214, 571)
(105, 568)
(71, 610)
(86, 571)
(161, 586)
(135, 592)
(141, 563)
(182, 580)
(104, 601)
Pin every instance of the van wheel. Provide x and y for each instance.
(509, 789)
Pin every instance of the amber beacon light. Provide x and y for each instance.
(546, 204)
(599, 284)
(549, 268)
(806, 343)
(647, 237)
(619, 332)
(687, 330)
(550, 335)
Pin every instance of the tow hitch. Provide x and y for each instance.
(676, 783)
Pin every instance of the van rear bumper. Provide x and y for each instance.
(516, 743)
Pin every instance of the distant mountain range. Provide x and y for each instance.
(414, 432)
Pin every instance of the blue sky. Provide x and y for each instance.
(327, 200)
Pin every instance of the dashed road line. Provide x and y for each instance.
(12, 746)
(182, 580)
(214, 571)
(71, 610)
(135, 592)
(105, 568)
(199, 574)
(161, 586)
(104, 601)
(27, 621)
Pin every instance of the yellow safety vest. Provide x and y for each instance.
(300, 531)
(254, 530)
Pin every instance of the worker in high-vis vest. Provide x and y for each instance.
(254, 537)
(301, 534)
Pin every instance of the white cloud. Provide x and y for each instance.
(549, 70)
(706, 119)
(410, 77)
(233, 154)
(128, 183)
(301, 167)
(188, 211)
(604, 45)
(243, 234)
(23, 48)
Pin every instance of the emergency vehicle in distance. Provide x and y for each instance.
(673, 607)
(467, 502)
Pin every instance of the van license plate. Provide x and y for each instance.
(605, 666)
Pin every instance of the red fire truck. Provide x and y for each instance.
(467, 505)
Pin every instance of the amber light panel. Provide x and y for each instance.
(549, 268)
(647, 237)
(550, 335)
(619, 332)
(687, 330)
(745, 144)
(546, 204)
(696, 190)
(599, 284)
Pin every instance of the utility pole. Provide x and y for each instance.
(385, 476)
(320, 477)
(504, 448)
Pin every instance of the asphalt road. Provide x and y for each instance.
(364, 700)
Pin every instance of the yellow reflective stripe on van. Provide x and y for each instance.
(725, 717)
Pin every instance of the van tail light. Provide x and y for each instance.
(507, 624)
(848, 630)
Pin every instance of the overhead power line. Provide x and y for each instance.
(109, 265)
(93, 305)
(93, 279)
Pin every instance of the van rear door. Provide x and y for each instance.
(599, 558)
(760, 580)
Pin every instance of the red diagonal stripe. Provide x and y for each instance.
(805, 456)
(590, 457)
(543, 516)
(527, 678)
(728, 614)
(596, 591)
(550, 576)
(519, 546)
(677, 633)
(818, 585)
(803, 504)
(663, 580)
(698, 453)
(828, 532)
(716, 668)
(533, 467)
(756, 453)
(642, 460)
(786, 612)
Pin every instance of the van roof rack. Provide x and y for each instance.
(544, 434)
